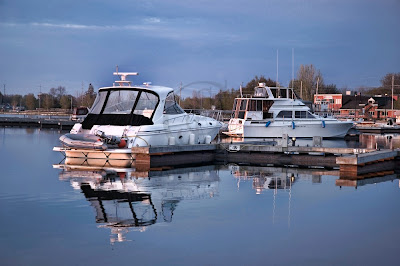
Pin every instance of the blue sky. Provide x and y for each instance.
(71, 43)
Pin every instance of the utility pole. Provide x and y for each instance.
(392, 91)
(180, 93)
(277, 67)
(40, 93)
(301, 89)
(292, 67)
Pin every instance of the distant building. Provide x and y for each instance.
(367, 107)
(355, 106)
(328, 103)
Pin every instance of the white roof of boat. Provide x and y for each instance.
(160, 90)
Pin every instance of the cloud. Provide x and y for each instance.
(189, 30)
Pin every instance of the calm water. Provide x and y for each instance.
(209, 215)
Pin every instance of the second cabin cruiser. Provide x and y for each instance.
(125, 116)
(272, 112)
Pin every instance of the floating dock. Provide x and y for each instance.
(353, 163)
(62, 124)
(383, 162)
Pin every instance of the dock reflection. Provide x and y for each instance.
(124, 202)
(375, 141)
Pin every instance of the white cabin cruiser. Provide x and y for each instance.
(272, 112)
(125, 116)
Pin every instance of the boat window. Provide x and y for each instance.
(304, 114)
(285, 114)
(234, 105)
(283, 93)
(99, 102)
(243, 105)
(171, 106)
(310, 115)
(260, 92)
(274, 92)
(120, 102)
(234, 113)
(146, 105)
(293, 94)
(255, 105)
(300, 114)
(267, 105)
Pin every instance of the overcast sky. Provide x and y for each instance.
(72, 43)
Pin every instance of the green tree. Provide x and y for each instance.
(87, 99)
(30, 101)
(16, 100)
(47, 101)
(65, 101)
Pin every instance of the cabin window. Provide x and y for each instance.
(310, 115)
(283, 93)
(146, 105)
(234, 113)
(300, 114)
(255, 105)
(243, 105)
(242, 111)
(284, 114)
(304, 114)
(99, 102)
(171, 106)
(234, 105)
(274, 92)
(120, 102)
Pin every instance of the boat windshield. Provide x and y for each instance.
(122, 107)
(125, 102)
(171, 106)
(120, 102)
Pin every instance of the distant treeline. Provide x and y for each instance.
(55, 98)
(309, 80)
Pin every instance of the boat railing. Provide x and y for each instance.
(180, 119)
(220, 115)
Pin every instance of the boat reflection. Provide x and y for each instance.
(276, 178)
(124, 202)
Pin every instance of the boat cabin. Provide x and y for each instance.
(132, 106)
(258, 107)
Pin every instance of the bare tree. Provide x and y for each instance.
(307, 78)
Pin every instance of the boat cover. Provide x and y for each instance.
(83, 141)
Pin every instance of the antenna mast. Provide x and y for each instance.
(292, 67)
(277, 67)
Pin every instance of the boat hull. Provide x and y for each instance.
(297, 129)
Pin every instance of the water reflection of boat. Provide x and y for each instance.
(263, 178)
(124, 202)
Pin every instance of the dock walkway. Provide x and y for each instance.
(62, 124)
